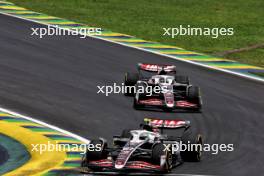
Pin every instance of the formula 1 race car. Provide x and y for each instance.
(149, 149)
(162, 88)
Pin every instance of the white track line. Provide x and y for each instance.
(145, 50)
(45, 124)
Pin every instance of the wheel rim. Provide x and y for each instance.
(169, 161)
(199, 152)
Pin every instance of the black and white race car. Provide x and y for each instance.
(147, 149)
(168, 90)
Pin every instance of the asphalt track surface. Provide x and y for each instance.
(54, 80)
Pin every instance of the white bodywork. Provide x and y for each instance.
(139, 137)
(162, 80)
(166, 83)
(143, 135)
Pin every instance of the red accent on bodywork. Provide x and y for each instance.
(185, 104)
(151, 102)
(141, 165)
(102, 163)
(169, 99)
(130, 165)
(155, 67)
(167, 123)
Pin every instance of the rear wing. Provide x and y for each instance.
(159, 123)
(156, 67)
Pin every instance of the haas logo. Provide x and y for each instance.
(167, 123)
(154, 67)
(150, 67)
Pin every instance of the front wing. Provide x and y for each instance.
(108, 165)
(180, 104)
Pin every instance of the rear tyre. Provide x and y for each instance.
(190, 138)
(130, 80)
(182, 79)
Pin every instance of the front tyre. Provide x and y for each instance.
(193, 94)
(96, 154)
(130, 80)
(136, 105)
(126, 133)
(195, 141)
(158, 151)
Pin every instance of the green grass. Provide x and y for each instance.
(146, 18)
(258, 73)
(254, 57)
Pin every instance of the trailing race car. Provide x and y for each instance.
(148, 149)
(162, 88)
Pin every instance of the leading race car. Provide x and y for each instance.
(147, 149)
(158, 86)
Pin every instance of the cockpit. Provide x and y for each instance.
(163, 80)
(142, 135)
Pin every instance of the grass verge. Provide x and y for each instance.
(146, 18)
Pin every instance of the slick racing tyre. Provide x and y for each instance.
(193, 94)
(158, 151)
(182, 79)
(130, 80)
(140, 96)
(194, 151)
(136, 105)
(120, 143)
(97, 154)
(126, 133)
